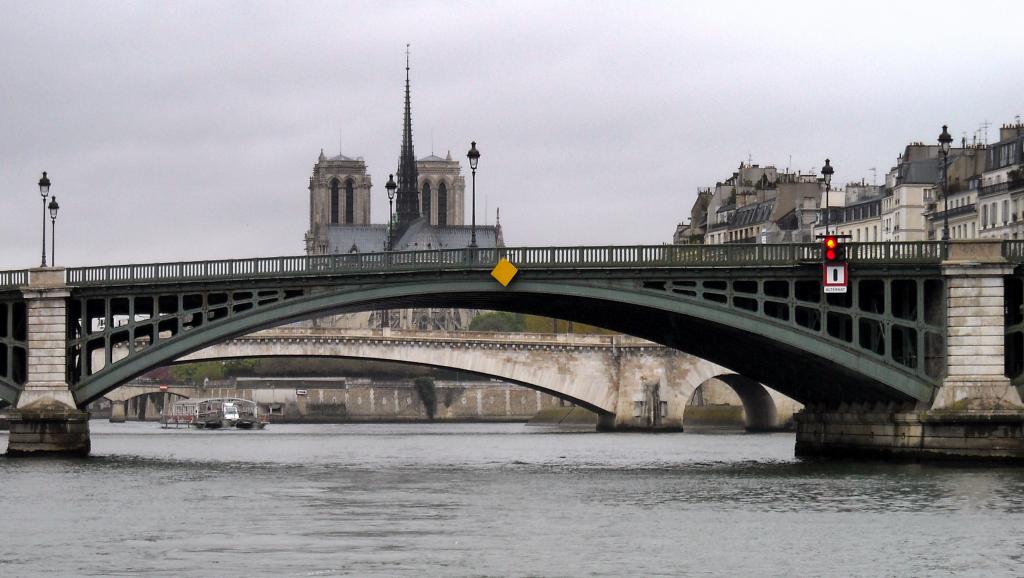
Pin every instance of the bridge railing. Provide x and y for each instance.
(1013, 251)
(13, 279)
(523, 257)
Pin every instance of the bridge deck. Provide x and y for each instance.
(649, 256)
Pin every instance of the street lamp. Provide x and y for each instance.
(54, 207)
(944, 141)
(44, 191)
(474, 158)
(826, 173)
(391, 186)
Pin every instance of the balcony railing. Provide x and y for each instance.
(970, 209)
(1000, 188)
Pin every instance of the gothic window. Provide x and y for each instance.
(350, 202)
(335, 201)
(442, 205)
(426, 201)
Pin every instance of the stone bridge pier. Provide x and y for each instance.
(975, 413)
(46, 419)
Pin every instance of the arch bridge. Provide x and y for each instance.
(616, 376)
(921, 327)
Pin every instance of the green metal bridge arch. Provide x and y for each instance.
(757, 310)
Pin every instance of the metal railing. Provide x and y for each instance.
(594, 257)
(12, 279)
(1000, 187)
(970, 209)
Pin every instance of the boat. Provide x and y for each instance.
(214, 413)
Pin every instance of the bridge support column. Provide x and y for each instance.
(646, 402)
(976, 413)
(975, 337)
(118, 411)
(46, 420)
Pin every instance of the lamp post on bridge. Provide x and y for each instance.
(474, 158)
(44, 191)
(53, 207)
(944, 141)
(391, 186)
(826, 173)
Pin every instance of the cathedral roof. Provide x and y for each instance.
(431, 159)
(341, 157)
(420, 235)
(356, 238)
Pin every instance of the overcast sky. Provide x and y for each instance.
(180, 130)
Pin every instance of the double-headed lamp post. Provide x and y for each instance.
(391, 186)
(53, 207)
(474, 158)
(44, 191)
(944, 141)
(826, 173)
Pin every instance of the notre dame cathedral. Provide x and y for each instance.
(430, 214)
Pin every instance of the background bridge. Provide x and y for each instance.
(608, 374)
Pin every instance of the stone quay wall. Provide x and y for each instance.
(364, 401)
(984, 435)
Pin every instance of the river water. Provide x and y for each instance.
(495, 500)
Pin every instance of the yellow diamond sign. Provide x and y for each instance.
(504, 272)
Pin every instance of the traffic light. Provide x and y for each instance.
(832, 250)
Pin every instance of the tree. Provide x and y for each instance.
(498, 322)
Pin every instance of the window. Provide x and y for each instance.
(1006, 211)
(442, 205)
(426, 202)
(984, 216)
(334, 202)
(350, 202)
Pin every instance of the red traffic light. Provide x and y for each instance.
(832, 250)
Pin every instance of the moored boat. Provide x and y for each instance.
(214, 413)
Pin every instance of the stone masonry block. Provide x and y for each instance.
(959, 328)
(976, 292)
(957, 302)
(977, 351)
(975, 282)
(994, 312)
(47, 376)
(975, 340)
(38, 311)
(47, 345)
(964, 371)
(973, 359)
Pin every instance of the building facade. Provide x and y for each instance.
(984, 193)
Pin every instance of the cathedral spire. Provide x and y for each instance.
(408, 208)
